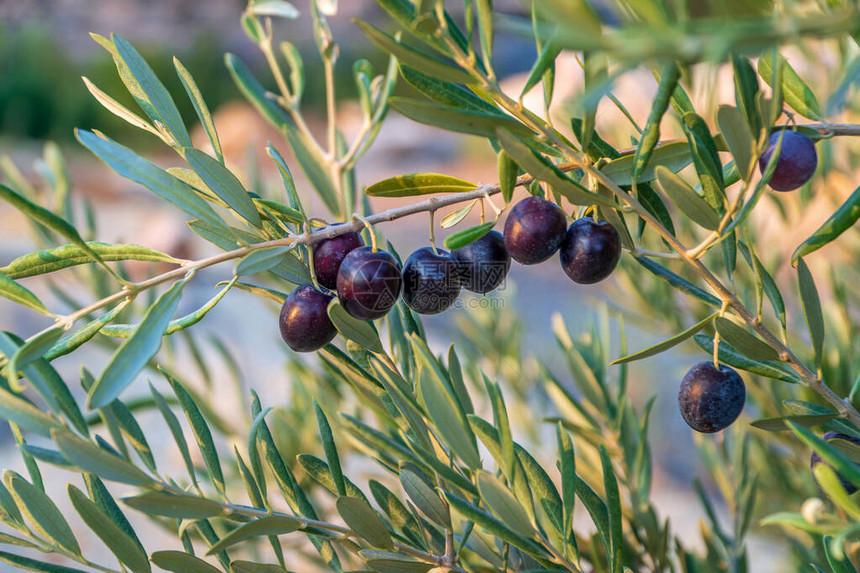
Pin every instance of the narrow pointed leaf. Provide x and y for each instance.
(744, 342)
(541, 168)
(666, 344)
(200, 107)
(201, 431)
(131, 166)
(460, 120)
(687, 200)
(41, 512)
(673, 156)
(262, 260)
(361, 518)
(120, 110)
(224, 184)
(156, 100)
(415, 184)
(842, 220)
(49, 220)
(795, 92)
(273, 525)
(20, 295)
(424, 496)
(503, 504)
(738, 136)
(811, 308)
(411, 57)
(50, 260)
(21, 562)
(781, 423)
(135, 352)
(179, 562)
(93, 459)
(679, 282)
(26, 415)
(171, 505)
(464, 237)
(120, 544)
(730, 356)
(359, 331)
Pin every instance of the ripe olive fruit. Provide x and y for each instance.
(590, 250)
(430, 283)
(534, 230)
(711, 399)
(304, 322)
(796, 163)
(368, 283)
(482, 265)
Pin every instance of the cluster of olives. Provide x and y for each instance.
(369, 281)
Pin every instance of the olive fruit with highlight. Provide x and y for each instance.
(711, 399)
(482, 265)
(590, 250)
(368, 283)
(304, 322)
(796, 163)
(430, 283)
(329, 254)
(534, 230)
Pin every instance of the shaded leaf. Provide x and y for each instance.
(120, 544)
(744, 342)
(811, 309)
(780, 423)
(413, 58)
(503, 504)
(272, 525)
(687, 200)
(93, 459)
(460, 120)
(359, 331)
(172, 505)
(424, 496)
(361, 518)
(180, 562)
(673, 156)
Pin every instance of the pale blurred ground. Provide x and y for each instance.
(127, 212)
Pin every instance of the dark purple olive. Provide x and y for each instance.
(304, 322)
(482, 265)
(329, 254)
(815, 459)
(710, 399)
(368, 283)
(796, 163)
(534, 230)
(430, 283)
(590, 251)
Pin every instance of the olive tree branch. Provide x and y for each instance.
(518, 110)
(329, 232)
